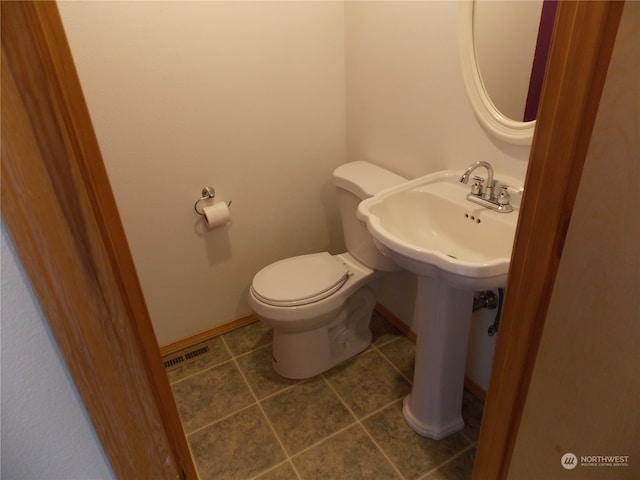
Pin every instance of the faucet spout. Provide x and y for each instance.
(488, 193)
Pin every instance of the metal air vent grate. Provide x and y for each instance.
(184, 357)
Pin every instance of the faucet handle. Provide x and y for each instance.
(477, 186)
(503, 196)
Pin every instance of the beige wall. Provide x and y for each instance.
(262, 100)
(407, 107)
(408, 111)
(585, 391)
(247, 97)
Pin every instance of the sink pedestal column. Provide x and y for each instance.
(434, 406)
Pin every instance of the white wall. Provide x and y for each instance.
(407, 110)
(262, 100)
(45, 430)
(247, 97)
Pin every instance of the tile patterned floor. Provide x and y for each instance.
(243, 421)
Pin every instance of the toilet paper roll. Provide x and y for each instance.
(216, 215)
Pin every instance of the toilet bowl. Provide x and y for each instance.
(325, 321)
(319, 304)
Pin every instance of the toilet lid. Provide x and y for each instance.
(300, 280)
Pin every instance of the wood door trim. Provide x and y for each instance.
(581, 49)
(60, 213)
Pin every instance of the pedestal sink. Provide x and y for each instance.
(455, 247)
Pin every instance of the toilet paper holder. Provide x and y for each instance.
(208, 193)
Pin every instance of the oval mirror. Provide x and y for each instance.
(503, 49)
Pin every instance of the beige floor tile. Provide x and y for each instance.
(472, 415)
(245, 339)
(216, 355)
(412, 454)
(231, 438)
(401, 353)
(382, 331)
(210, 395)
(262, 378)
(238, 447)
(305, 414)
(348, 455)
(281, 472)
(367, 383)
(460, 468)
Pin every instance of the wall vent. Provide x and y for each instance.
(196, 352)
(174, 361)
(184, 357)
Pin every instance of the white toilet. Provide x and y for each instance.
(320, 305)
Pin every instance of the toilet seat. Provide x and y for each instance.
(300, 280)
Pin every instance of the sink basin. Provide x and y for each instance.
(455, 246)
(429, 228)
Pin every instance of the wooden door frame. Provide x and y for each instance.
(583, 39)
(81, 270)
(75, 253)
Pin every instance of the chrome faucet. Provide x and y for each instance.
(488, 190)
(483, 195)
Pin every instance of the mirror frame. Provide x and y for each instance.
(511, 131)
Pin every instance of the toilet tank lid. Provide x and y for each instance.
(364, 179)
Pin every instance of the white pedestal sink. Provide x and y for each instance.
(455, 247)
(433, 408)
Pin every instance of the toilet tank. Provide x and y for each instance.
(355, 182)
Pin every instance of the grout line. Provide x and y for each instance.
(264, 415)
(284, 389)
(471, 441)
(254, 349)
(355, 417)
(249, 352)
(328, 437)
(295, 469)
(273, 430)
(388, 360)
(191, 375)
(224, 342)
(447, 461)
(384, 454)
(218, 420)
(193, 458)
(232, 359)
(386, 342)
(375, 442)
(274, 468)
(359, 422)
(375, 412)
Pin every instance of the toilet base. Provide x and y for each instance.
(299, 355)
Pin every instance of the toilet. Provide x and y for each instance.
(320, 305)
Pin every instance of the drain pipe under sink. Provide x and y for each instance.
(488, 299)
